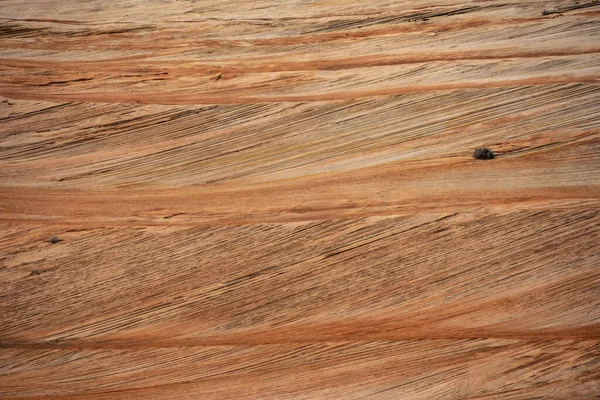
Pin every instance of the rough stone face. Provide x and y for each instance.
(263, 199)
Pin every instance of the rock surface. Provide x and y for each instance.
(278, 200)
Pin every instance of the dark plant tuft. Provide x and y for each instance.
(483, 153)
(546, 12)
(54, 239)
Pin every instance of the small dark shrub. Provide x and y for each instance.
(54, 239)
(546, 12)
(483, 153)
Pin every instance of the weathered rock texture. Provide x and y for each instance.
(278, 200)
